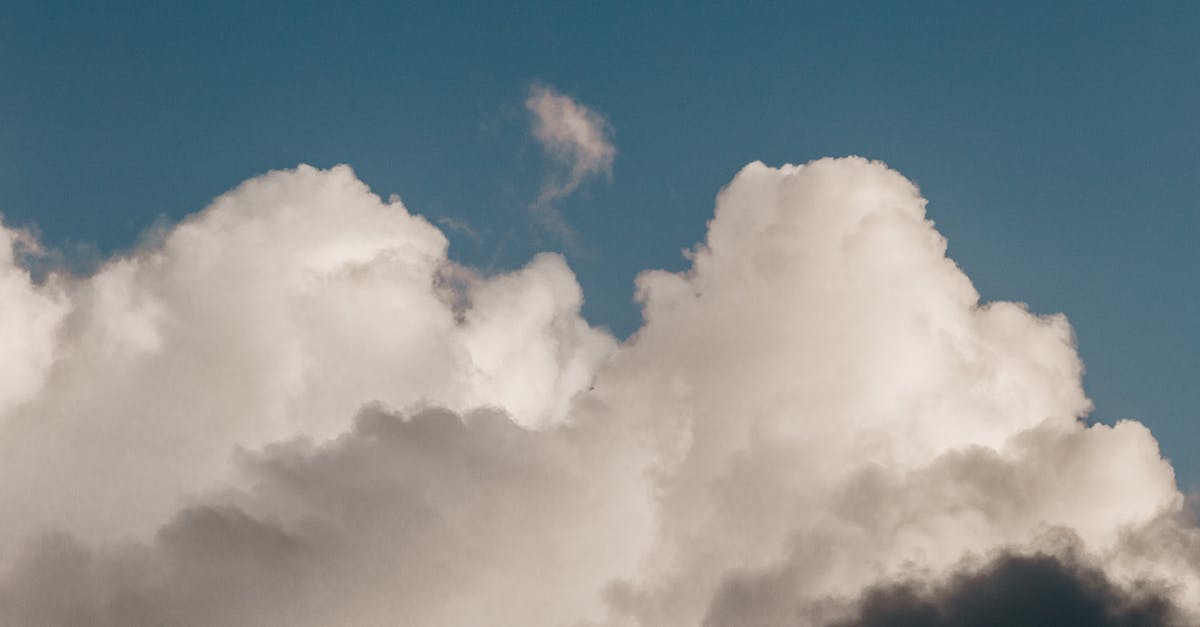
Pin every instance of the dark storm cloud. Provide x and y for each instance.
(1035, 590)
(1039, 590)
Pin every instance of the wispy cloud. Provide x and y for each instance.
(459, 226)
(576, 138)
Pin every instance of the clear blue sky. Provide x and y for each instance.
(1058, 143)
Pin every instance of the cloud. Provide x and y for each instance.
(818, 408)
(576, 138)
(964, 502)
(459, 226)
(836, 402)
(391, 522)
(1016, 590)
(281, 309)
(28, 317)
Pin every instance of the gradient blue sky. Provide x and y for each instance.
(1057, 142)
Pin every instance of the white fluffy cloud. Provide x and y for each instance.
(28, 317)
(281, 309)
(819, 405)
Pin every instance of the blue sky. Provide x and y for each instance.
(1057, 145)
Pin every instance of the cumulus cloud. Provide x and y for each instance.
(818, 423)
(281, 309)
(576, 138)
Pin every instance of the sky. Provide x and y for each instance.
(1055, 143)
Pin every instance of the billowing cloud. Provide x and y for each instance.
(576, 138)
(280, 309)
(819, 423)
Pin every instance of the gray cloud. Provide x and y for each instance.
(405, 518)
(1056, 586)
(1016, 590)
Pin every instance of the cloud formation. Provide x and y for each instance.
(576, 138)
(818, 408)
